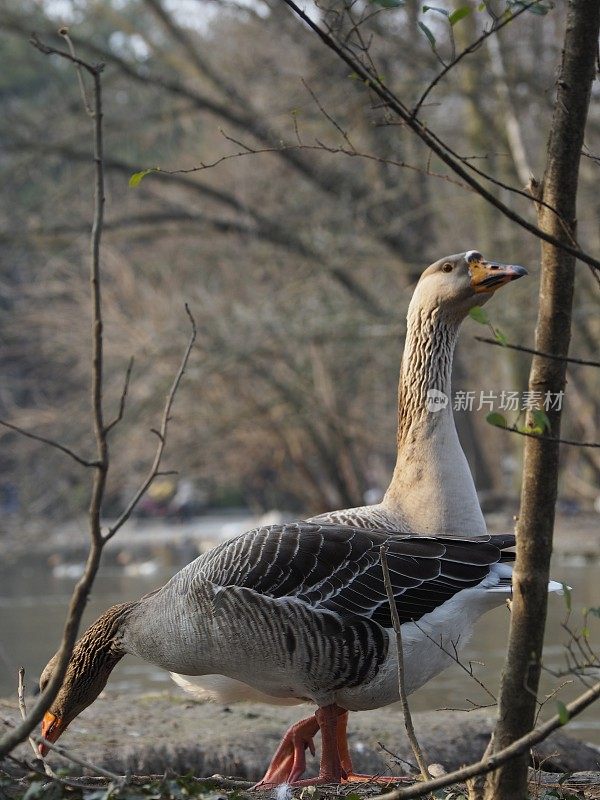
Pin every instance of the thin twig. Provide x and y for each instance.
(23, 709)
(123, 399)
(64, 32)
(454, 656)
(570, 359)
(53, 51)
(161, 434)
(52, 442)
(69, 756)
(397, 758)
(29, 767)
(544, 438)
(328, 116)
(491, 762)
(550, 696)
(467, 51)
(247, 150)
(408, 724)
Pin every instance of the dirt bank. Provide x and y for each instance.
(150, 733)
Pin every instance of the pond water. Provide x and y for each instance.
(33, 600)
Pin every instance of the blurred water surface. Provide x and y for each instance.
(33, 600)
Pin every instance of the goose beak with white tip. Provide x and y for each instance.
(487, 276)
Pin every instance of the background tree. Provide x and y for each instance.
(300, 355)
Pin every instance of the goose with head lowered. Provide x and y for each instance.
(299, 612)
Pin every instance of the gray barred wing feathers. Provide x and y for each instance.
(337, 568)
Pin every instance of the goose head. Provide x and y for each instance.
(457, 283)
(94, 657)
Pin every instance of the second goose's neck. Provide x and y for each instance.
(432, 486)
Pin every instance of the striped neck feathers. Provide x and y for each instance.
(425, 375)
(94, 657)
(432, 488)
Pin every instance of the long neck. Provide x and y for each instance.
(103, 640)
(171, 625)
(432, 486)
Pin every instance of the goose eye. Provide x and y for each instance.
(446, 267)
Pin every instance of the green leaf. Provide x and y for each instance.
(567, 595)
(389, 3)
(499, 336)
(595, 611)
(137, 177)
(428, 34)
(540, 420)
(479, 315)
(563, 712)
(496, 419)
(458, 14)
(439, 10)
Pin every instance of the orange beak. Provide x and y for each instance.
(487, 276)
(52, 727)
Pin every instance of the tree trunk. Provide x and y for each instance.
(517, 705)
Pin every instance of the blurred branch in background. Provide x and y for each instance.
(100, 466)
(302, 261)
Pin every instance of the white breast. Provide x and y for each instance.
(220, 689)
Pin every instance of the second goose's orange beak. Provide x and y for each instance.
(487, 276)
(52, 727)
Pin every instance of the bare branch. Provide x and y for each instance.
(453, 654)
(570, 359)
(319, 146)
(162, 435)
(544, 438)
(123, 400)
(467, 51)
(408, 724)
(29, 767)
(64, 32)
(435, 144)
(266, 228)
(69, 756)
(328, 116)
(52, 51)
(82, 588)
(23, 709)
(51, 442)
(491, 762)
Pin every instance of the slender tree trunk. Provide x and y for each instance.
(518, 695)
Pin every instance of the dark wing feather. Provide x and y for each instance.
(338, 568)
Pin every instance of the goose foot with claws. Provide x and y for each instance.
(289, 762)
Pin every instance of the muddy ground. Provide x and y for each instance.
(150, 733)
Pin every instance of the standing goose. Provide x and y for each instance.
(432, 489)
(299, 613)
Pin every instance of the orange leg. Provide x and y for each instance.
(330, 770)
(289, 762)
